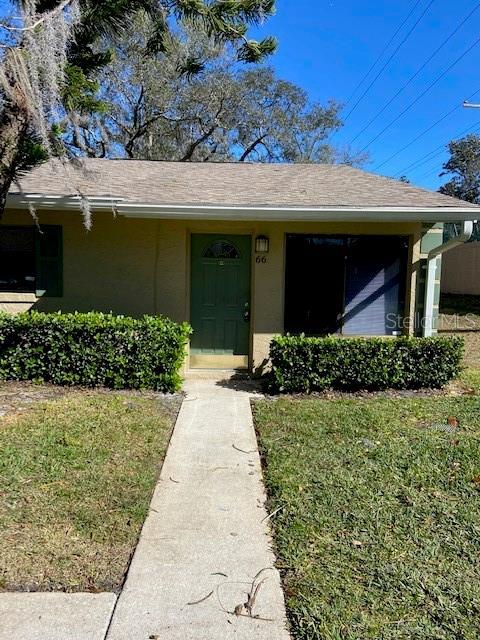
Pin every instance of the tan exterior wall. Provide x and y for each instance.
(461, 270)
(133, 266)
(108, 269)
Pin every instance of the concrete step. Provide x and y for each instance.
(217, 374)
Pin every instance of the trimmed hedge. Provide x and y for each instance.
(93, 349)
(301, 364)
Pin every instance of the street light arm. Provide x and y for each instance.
(471, 105)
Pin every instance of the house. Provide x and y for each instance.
(241, 251)
(461, 270)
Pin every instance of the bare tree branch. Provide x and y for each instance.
(251, 148)
(191, 149)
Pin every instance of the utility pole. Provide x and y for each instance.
(471, 105)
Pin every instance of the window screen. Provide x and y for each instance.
(374, 285)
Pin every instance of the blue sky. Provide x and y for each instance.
(327, 46)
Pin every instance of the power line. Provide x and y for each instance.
(417, 138)
(384, 50)
(435, 170)
(417, 73)
(432, 156)
(440, 149)
(390, 58)
(423, 159)
(423, 133)
(429, 173)
(414, 102)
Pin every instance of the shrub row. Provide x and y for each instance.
(93, 349)
(301, 364)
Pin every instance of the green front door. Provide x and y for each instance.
(220, 297)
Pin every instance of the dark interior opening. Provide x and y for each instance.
(17, 259)
(315, 284)
(354, 285)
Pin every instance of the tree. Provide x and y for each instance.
(464, 166)
(224, 111)
(49, 49)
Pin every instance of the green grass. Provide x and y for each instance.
(378, 533)
(76, 478)
(470, 380)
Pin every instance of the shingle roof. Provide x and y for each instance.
(240, 184)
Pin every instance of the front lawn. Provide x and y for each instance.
(469, 380)
(378, 528)
(76, 478)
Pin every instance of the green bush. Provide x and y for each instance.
(301, 364)
(93, 349)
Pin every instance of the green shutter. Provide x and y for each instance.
(49, 260)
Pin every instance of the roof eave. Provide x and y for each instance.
(245, 213)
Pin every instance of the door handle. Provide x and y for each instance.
(246, 315)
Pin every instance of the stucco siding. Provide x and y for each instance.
(136, 266)
(110, 268)
(171, 270)
(461, 270)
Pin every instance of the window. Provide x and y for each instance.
(31, 260)
(17, 259)
(354, 285)
(223, 250)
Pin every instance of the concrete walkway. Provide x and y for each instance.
(205, 538)
(55, 616)
(202, 546)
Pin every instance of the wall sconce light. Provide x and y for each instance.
(262, 244)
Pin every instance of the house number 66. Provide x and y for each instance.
(261, 260)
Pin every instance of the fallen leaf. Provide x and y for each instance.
(243, 450)
(201, 599)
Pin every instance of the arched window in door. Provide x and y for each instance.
(222, 250)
